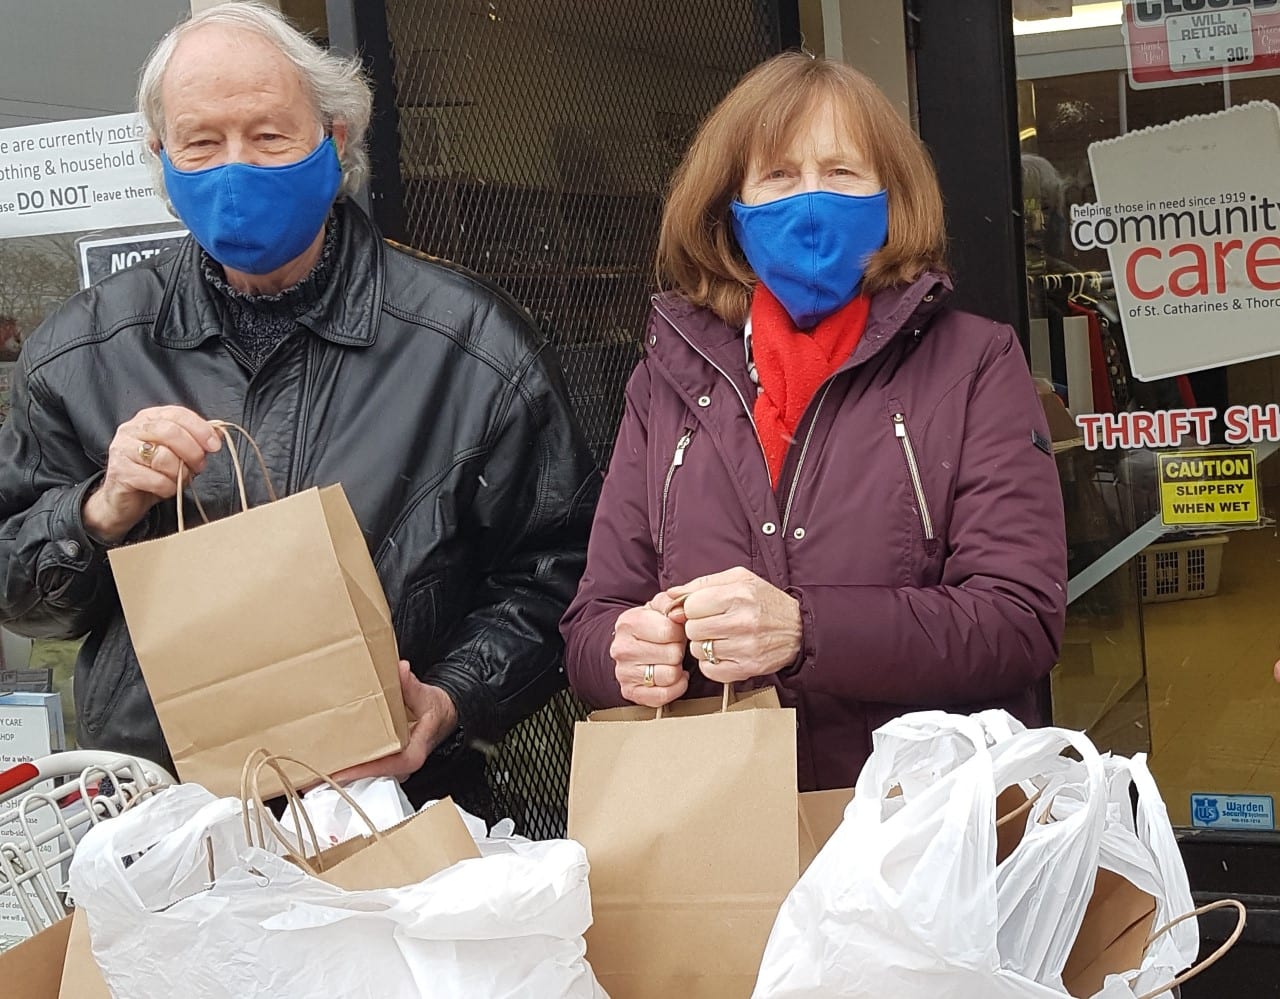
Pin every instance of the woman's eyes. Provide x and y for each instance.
(786, 173)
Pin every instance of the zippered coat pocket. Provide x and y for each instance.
(903, 434)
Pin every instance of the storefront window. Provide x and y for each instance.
(75, 201)
(1150, 142)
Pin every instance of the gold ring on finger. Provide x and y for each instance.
(147, 452)
(648, 675)
(709, 651)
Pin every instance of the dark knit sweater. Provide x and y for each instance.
(260, 323)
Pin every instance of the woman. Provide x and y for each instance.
(826, 479)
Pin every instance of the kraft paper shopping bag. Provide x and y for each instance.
(422, 845)
(690, 826)
(266, 628)
(81, 976)
(56, 963)
(821, 813)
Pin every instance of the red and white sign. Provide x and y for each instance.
(1170, 42)
(1189, 214)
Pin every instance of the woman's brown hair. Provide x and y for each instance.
(697, 252)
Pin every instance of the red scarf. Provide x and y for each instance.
(791, 364)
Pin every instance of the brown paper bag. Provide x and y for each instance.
(269, 627)
(54, 964)
(690, 826)
(33, 969)
(421, 846)
(821, 813)
(81, 976)
(1113, 937)
(1117, 922)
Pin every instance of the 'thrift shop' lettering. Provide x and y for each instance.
(1154, 11)
(1171, 427)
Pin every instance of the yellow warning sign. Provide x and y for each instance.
(1199, 488)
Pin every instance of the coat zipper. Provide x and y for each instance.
(804, 452)
(909, 452)
(677, 459)
(750, 414)
(723, 374)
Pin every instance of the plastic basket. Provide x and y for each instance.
(46, 807)
(1180, 570)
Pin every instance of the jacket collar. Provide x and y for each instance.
(191, 312)
(902, 310)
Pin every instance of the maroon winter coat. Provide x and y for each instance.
(918, 519)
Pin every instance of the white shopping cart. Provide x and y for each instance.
(46, 807)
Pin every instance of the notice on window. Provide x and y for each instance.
(1208, 488)
(1169, 42)
(102, 257)
(72, 176)
(1189, 215)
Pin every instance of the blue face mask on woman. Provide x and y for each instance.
(811, 249)
(255, 219)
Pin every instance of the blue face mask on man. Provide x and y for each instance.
(811, 249)
(255, 219)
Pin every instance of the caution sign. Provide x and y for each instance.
(1200, 488)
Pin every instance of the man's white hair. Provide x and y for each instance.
(337, 86)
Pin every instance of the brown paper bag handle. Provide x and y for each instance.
(225, 427)
(1021, 811)
(724, 704)
(1212, 959)
(251, 794)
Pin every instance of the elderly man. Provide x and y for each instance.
(425, 393)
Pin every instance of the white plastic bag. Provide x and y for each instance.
(1142, 848)
(385, 804)
(500, 926)
(1044, 887)
(333, 819)
(902, 901)
(906, 898)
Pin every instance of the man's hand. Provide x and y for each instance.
(142, 467)
(434, 718)
(748, 626)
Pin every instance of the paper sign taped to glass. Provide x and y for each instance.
(1188, 215)
(265, 628)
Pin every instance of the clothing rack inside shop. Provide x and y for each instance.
(1079, 346)
(1075, 282)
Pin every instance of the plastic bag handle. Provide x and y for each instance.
(225, 427)
(727, 699)
(1212, 959)
(250, 794)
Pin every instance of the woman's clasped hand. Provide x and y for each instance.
(735, 624)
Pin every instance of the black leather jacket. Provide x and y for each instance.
(427, 394)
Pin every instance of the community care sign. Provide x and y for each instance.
(70, 176)
(1189, 214)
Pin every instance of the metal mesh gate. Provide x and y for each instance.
(536, 140)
